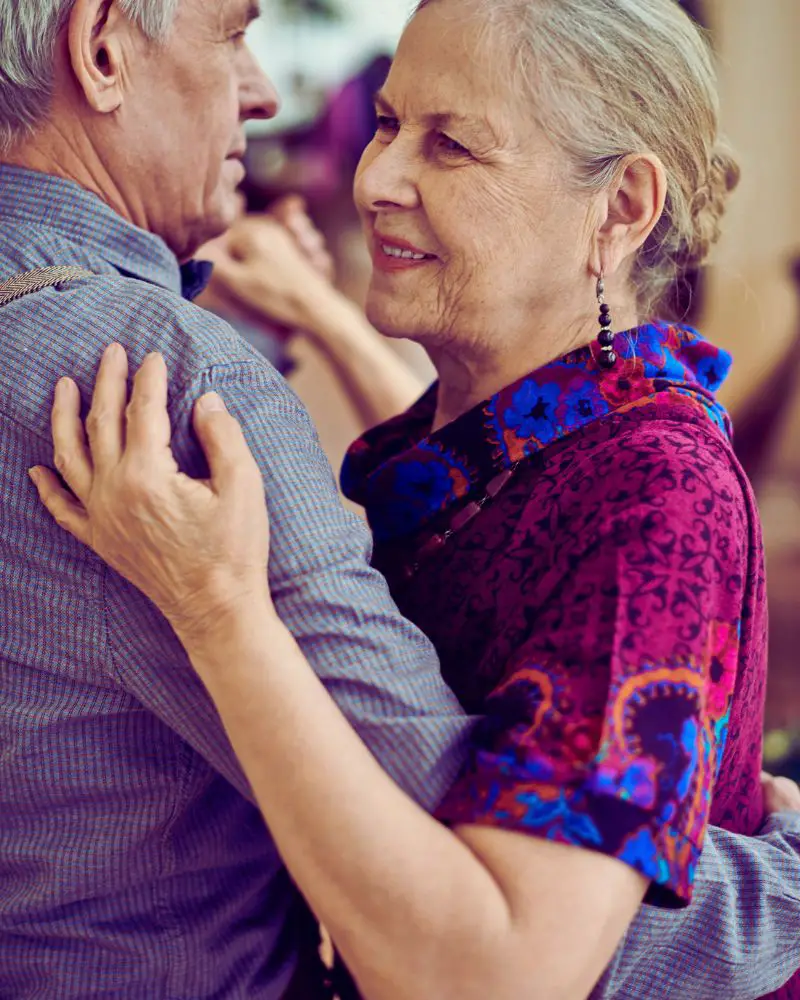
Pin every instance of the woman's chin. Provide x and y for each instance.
(389, 316)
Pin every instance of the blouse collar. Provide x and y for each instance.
(405, 475)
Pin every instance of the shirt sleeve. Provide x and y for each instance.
(739, 939)
(608, 728)
(381, 671)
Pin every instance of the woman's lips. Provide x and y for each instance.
(391, 254)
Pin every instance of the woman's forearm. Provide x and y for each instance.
(378, 381)
(412, 910)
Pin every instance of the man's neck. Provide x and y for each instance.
(71, 158)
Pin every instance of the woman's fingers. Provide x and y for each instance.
(66, 511)
(105, 425)
(148, 430)
(324, 264)
(71, 455)
(229, 458)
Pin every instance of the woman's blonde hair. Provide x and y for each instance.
(608, 78)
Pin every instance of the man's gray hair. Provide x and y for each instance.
(28, 33)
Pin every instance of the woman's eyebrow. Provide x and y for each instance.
(479, 127)
(476, 125)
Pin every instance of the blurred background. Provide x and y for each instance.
(328, 57)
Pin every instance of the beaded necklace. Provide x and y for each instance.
(465, 516)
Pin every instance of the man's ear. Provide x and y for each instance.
(635, 204)
(97, 36)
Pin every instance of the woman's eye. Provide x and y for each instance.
(448, 145)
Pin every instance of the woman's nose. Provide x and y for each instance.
(387, 177)
(258, 97)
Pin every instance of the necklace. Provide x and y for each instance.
(434, 545)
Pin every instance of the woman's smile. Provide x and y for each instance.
(391, 254)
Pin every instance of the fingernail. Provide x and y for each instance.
(35, 475)
(65, 386)
(113, 351)
(211, 403)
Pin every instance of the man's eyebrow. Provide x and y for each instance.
(235, 12)
(382, 104)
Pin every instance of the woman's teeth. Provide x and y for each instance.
(404, 254)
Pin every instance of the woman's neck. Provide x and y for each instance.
(469, 376)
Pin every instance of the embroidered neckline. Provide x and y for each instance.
(404, 475)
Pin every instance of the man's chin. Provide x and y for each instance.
(215, 223)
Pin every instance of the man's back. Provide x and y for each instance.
(133, 862)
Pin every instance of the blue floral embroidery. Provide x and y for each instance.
(563, 820)
(533, 412)
(409, 486)
(642, 853)
(421, 486)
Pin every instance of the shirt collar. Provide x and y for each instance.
(77, 215)
(404, 475)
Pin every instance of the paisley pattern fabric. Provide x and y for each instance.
(605, 612)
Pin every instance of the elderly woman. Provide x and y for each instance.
(562, 514)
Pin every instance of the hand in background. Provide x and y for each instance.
(292, 214)
(274, 267)
(780, 794)
(274, 270)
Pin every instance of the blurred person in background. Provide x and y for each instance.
(562, 514)
(261, 330)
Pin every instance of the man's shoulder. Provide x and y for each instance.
(145, 317)
(64, 331)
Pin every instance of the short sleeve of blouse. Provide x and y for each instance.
(609, 726)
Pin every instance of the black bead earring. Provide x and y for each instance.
(608, 357)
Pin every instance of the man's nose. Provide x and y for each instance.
(258, 97)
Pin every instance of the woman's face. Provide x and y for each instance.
(460, 172)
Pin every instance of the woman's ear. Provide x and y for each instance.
(97, 35)
(635, 204)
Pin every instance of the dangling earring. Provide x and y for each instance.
(608, 357)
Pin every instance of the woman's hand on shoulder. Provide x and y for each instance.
(197, 549)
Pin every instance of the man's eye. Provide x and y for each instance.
(239, 37)
(387, 124)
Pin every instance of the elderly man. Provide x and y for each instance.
(133, 861)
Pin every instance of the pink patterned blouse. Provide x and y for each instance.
(605, 611)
